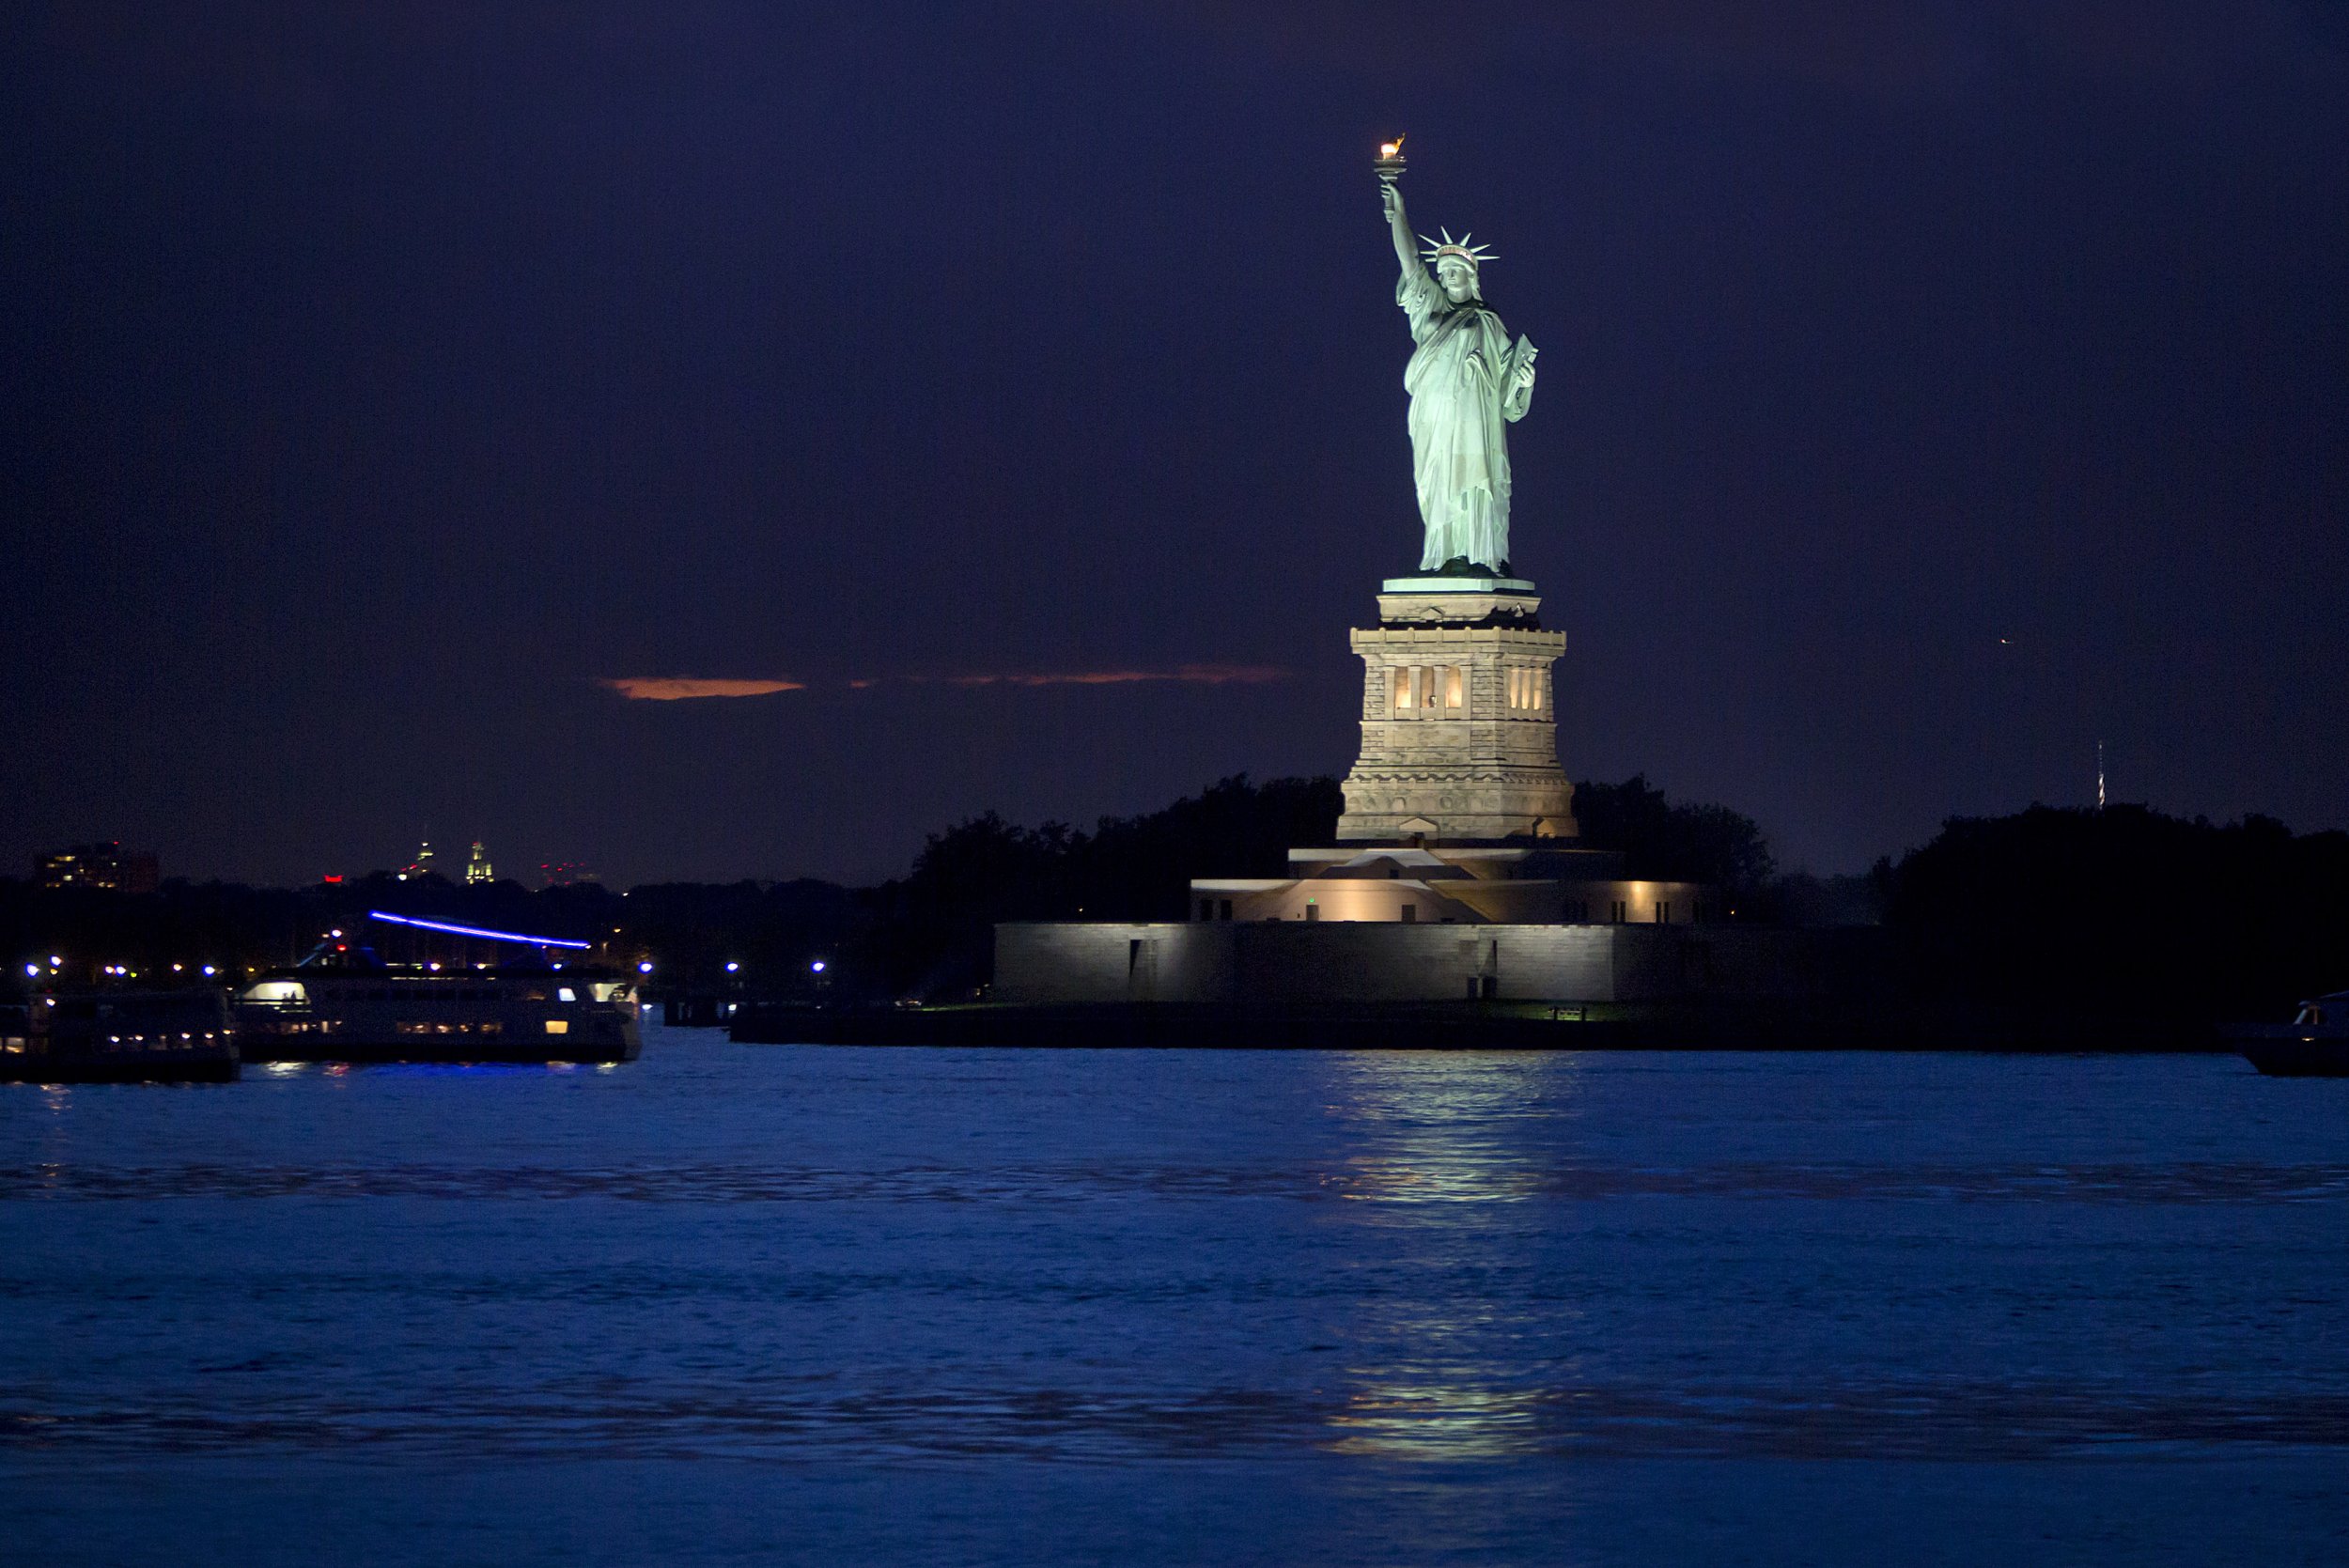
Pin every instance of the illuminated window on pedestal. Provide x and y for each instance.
(1427, 689)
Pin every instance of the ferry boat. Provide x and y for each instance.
(344, 1004)
(119, 1036)
(2313, 1045)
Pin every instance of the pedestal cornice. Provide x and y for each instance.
(1459, 601)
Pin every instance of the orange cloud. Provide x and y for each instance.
(670, 688)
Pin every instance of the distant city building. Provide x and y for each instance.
(422, 864)
(564, 874)
(96, 865)
(478, 869)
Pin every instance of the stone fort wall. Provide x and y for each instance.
(1340, 962)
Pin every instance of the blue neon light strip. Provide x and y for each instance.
(472, 931)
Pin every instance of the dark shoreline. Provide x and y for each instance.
(1470, 1026)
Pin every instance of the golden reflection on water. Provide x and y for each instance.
(1436, 1420)
(1446, 1140)
(1447, 1127)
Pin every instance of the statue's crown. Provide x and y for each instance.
(1472, 254)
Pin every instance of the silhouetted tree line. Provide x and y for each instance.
(1665, 842)
(2124, 909)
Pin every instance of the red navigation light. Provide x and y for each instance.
(330, 876)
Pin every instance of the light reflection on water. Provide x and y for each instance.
(1452, 1128)
(1449, 1127)
(1468, 1269)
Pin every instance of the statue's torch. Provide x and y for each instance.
(1389, 163)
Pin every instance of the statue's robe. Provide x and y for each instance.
(1461, 384)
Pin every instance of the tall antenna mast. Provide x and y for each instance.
(2100, 775)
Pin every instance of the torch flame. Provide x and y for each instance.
(1390, 149)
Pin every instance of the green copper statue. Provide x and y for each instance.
(1464, 380)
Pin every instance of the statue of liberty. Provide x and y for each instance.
(1464, 380)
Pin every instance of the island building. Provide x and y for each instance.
(478, 869)
(1457, 873)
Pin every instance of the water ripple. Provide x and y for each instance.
(1922, 1422)
(1377, 1180)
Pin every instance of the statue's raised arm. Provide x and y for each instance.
(1466, 383)
(1406, 244)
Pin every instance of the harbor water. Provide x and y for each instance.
(743, 1304)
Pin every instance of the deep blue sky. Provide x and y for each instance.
(1923, 396)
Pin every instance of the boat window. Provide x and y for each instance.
(563, 993)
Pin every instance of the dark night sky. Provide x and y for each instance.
(1924, 395)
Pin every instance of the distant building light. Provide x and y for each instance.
(209, 969)
(54, 961)
(818, 967)
(469, 931)
(644, 967)
(32, 968)
(733, 967)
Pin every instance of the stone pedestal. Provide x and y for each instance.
(1459, 724)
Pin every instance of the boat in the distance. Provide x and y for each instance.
(344, 1004)
(109, 1035)
(2315, 1044)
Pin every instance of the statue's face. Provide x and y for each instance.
(1457, 277)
